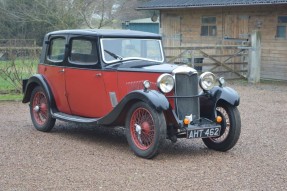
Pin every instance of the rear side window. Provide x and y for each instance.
(57, 49)
(83, 52)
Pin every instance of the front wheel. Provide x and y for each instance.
(145, 130)
(230, 128)
(40, 110)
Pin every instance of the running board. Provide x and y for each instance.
(73, 118)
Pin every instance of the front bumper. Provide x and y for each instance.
(201, 128)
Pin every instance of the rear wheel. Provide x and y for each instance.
(230, 128)
(40, 110)
(145, 130)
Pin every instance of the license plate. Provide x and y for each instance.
(203, 133)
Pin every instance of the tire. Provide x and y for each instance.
(230, 128)
(145, 130)
(40, 110)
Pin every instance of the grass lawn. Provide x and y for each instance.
(11, 97)
(5, 86)
(25, 68)
(6, 90)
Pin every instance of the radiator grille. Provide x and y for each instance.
(186, 85)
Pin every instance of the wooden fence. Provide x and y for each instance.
(230, 61)
(18, 43)
(18, 48)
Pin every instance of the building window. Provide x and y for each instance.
(281, 27)
(208, 26)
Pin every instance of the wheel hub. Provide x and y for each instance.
(146, 127)
(43, 107)
(139, 132)
(138, 129)
(36, 108)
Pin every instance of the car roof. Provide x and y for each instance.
(106, 33)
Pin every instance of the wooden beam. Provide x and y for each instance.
(176, 57)
(229, 63)
(203, 47)
(19, 48)
(255, 58)
(222, 64)
(229, 71)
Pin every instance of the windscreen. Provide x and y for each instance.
(117, 49)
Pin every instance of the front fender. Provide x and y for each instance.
(154, 98)
(36, 80)
(227, 94)
(209, 100)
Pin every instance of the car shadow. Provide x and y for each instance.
(87, 133)
(114, 138)
(184, 147)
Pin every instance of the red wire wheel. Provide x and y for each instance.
(230, 128)
(39, 106)
(40, 110)
(145, 130)
(142, 128)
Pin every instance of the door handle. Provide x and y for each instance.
(62, 70)
(99, 74)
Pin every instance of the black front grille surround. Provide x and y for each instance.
(186, 93)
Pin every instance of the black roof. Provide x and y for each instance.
(107, 33)
(169, 4)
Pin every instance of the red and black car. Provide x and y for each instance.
(120, 78)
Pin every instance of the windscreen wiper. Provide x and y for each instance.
(118, 57)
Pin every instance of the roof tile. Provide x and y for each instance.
(165, 4)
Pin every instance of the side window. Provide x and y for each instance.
(83, 52)
(281, 27)
(57, 49)
(208, 26)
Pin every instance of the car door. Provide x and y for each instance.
(84, 78)
(53, 70)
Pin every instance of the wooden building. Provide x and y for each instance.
(186, 23)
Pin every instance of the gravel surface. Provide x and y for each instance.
(77, 157)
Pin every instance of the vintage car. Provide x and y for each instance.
(120, 78)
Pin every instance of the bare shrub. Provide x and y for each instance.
(20, 64)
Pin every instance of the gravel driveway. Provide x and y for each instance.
(76, 157)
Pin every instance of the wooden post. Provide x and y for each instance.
(35, 50)
(254, 61)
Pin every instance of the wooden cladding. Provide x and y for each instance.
(184, 27)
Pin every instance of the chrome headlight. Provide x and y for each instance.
(165, 83)
(207, 80)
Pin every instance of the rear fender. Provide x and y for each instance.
(37, 80)
(117, 116)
